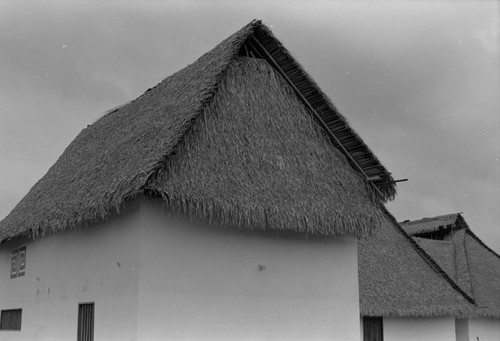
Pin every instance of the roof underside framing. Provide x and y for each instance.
(253, 47)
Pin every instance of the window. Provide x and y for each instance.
(13, 264)
(18, 262)
(11, 319)
(85, 322)
(373, 329)
(21, 261)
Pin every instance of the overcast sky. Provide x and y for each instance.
(419, 81)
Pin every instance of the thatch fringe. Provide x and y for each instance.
(421, 311)
(231, 215)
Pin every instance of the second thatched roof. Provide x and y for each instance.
(397, 278)
(434, 224)
(242, 138)
(465, 258)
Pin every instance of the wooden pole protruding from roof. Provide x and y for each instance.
(311, 108)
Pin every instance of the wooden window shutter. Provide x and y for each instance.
(21, 261)
(85, 322)
(11, 319)
(13, 263)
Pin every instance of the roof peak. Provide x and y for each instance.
(448, 216)
(438, 224)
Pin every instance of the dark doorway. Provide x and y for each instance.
(373, 329)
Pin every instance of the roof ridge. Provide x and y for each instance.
(434, 241)
(416, 221)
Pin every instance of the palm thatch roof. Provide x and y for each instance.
(397, 278)
(242, 138)
(427, 225)
(470, 263)
(443, 252)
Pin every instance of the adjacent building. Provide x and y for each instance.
(404, 293)
(466, 259)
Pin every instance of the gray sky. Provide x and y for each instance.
(419, 81)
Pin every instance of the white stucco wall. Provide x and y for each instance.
(419, 329)
(77, 266)
(204, 283)
(153, 278)
(484, 329)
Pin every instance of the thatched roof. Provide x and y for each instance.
(473, 265)
(242, 137)
(426, 225)
(443, 252)
(484, 269)
(397, 278)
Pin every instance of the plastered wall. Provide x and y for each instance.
(97, 264)
(484, 329)
(419, 329)
(154, 278)
(206, 283)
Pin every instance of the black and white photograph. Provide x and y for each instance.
(250, 170)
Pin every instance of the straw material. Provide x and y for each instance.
(258, 160)
(278, 182)
(462, 268)
(426, 225)
(397, 278)
(112, 159)
(484, 267)
(476, 268)
(443, 252)
(352, 145)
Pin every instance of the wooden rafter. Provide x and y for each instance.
(252, 40)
